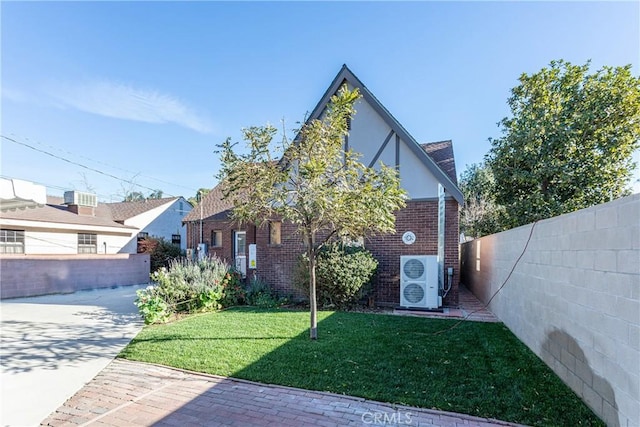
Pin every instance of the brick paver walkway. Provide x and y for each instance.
(130, 394)
(469, 307)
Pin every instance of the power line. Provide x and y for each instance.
(106, 164)
(80, 164)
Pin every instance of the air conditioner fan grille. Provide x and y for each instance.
(413, 269)
(413, 293)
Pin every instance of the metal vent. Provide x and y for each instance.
(80, 199)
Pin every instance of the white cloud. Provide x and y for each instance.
(122, 101)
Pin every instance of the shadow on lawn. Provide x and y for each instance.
(253, 403)
(477, 368)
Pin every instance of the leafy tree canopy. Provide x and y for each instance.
(326, 192)
(199, 195)
(156, 194)
(133, 196)
(480, 215)
(568, 143)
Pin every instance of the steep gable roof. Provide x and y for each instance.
(346, 75)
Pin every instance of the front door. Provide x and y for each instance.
(240, 252)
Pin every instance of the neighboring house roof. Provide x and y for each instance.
(347, 75)
(105, 214)
(16, 193)
(58, 213)
(213, 206)
(442, 153)
(122, 211)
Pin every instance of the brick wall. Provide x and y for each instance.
(573, 299)
(420, 217)
(276, 263)
(31, 275)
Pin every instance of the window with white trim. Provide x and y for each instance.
(87, 243)
(12, 241)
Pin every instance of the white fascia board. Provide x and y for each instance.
(42, 225)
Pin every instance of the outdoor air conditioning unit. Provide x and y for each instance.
(81, 199)
(419, 281)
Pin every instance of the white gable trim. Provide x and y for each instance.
(346, 75)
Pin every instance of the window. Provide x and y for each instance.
(12, 241)
(87, 243)
(175, 239)
(274, 232)
(143, 235)
(216, 238)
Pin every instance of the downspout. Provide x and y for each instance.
(441, 242)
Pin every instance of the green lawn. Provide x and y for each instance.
(476, 368)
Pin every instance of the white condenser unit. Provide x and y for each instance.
(419, 281)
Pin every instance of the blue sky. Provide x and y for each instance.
(144, 91)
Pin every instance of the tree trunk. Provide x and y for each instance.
(313, 330)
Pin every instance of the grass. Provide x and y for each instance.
(477, 368)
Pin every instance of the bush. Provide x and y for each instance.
(260, 294)
(161, 252)
(188, 286)
(152, 306)
(233, 292)
(342, 274)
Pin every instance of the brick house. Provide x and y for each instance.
(427, 173)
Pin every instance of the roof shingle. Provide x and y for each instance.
(441, 152)
(212, 205)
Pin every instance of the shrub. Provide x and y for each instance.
(342, 274)
(161, 252)
(152, 306)
(233, 292)
(260, 294)
(188, 286)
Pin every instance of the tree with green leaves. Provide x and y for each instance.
(327, 193)
(480, 214)
(156, 194)
(568, 143)
(133, 196)
(199, 196)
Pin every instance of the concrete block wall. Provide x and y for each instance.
(573, 298)
(31, 275)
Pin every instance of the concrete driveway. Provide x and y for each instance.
(51, 346)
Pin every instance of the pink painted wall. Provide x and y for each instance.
(31, 275)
